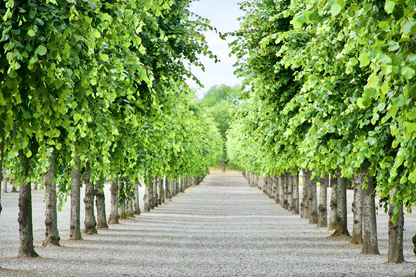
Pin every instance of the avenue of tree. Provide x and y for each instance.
(329, 89)
(93, 90)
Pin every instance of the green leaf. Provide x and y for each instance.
(409, 28)
(389, 6)
(399, 101)
(363, 102)
(77, 117)
(31, 33)
(41, 50)
(364, 60)
(393, 110)
(373, 82)
(411, 128)
(296, 24)
(335, 9)
(29, 154)
(412, 115)
(408, 72)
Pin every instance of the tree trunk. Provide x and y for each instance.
(414, 248)
(295, 204)
(122, 198)
(114, 217)
(313, 201)
(395, 253)
(35, 186)
(285, 190)
(146, 200)
(51, 216)
(357, 210)
(14, 185)
(341, 220)
(222, 163)
(370, 243)
(168, 189)
(155, 192)
(177, 185)
(4, 178)
(89, 223)
(75, 227)
(100, 204)
(129, 207)
(332, 225)
(1, 166)
(322, 217)
(26, 248)
(289, 181)
(161, 190)
(305, 197)
(276, 189)
(137, 200)
(151, 193)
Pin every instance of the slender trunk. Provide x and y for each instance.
(295, 205)
(89, 223)
(137, 200)
(14, 185)
(161, 191)
(151, 194)
(341, 228)
(289, 181)
(414, 248)
(285, 190)
(305, 197)
(177, 185)
(155, 192)
(322, 217)
(75, 226)
(4, 178)
(122, 198)
(332, 225)
(370, 242)
(51, 216)
(100, 204)
(146, 198)
(26, 248)
(313, 203)
(1, 167)
(276, 189)
(129, 207)
(222, 163)
(357, 210)
(168, 189)
(395, 253)
(114, 217)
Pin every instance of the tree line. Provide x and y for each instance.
(93, 90)
(329, 88)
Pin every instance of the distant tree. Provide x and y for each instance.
(217, 99)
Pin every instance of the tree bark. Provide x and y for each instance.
(1, 166)
(295, 205)
(151, 193)
(305, 197)
(276, 189)
(161, 190)
(51, 216)
(114, 216)
(322, 208)
(370, 242)
(289, 181)
(395, 253)
(332, 225)
(26, 248)
(89, 223)
(100, 204)
(222, 163)
(168, 189)
(4, 181)
(341, 220)
(75, 226)
(155, 192)
(122, 198)
(357, 210)
(313, 203)
(137, 200)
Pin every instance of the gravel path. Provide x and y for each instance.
(220, 228)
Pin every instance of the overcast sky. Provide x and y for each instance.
(223, 15)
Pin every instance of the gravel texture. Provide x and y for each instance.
(222, 227)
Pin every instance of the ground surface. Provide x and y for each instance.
(220, 228)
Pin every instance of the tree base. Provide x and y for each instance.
(51, 242)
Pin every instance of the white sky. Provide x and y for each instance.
(222, 15)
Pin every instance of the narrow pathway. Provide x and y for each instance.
(220, 228)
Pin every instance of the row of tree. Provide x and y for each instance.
(91, 90)
(330, 89)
